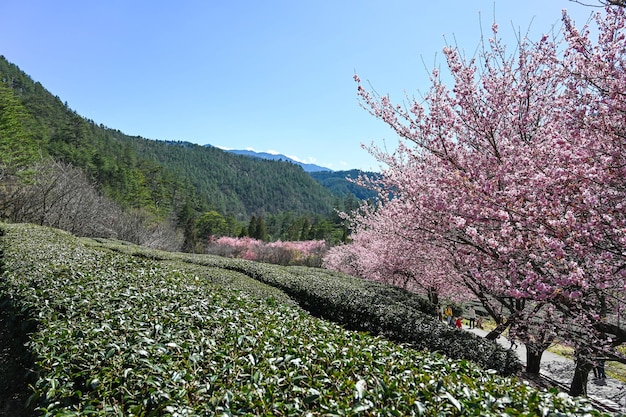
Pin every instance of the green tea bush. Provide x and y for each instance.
(377, 308)
(363, 305)
(120, 335)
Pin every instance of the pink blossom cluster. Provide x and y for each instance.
(510, 185)
(308, 252)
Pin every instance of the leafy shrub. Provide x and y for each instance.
(137, 336)
(364, 305)
(382, 310)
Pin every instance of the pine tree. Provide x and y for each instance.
(18, 150)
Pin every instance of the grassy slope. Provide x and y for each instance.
(115, 334)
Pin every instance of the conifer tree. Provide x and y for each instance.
(18, 149)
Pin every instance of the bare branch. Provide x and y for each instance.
(603, 3)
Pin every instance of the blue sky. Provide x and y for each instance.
(268, 75)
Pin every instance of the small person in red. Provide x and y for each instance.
(459, 323)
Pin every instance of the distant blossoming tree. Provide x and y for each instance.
(309, 252)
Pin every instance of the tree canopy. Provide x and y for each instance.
(510, 184)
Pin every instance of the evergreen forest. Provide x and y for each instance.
(63, 170)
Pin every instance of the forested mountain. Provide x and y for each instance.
(237, 185)
(338, 184)
(165, 179)
(278, 157)
(141, 172)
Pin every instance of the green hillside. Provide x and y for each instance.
(237, 185)
(337, 182)
(155, 181)
(141, 172)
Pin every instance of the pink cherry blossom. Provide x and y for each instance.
(510, 184)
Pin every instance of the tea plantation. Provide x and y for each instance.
(112, 329)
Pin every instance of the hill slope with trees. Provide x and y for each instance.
(341, 184)
(156, 181)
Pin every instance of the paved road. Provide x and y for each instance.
(562, 369)
(521, 349)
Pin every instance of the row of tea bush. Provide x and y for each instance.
(364, 305)
(112, 334)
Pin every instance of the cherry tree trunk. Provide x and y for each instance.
(533, 359)
(579, 382)
(497, 331)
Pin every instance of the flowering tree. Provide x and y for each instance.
(383, 249)
(308, 253)
(516, 174)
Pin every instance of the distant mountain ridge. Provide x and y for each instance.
(336, 182)
(279, 157)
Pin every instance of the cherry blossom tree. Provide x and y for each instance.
(383, 249)
(308, 253)
(594, 228)
(516, 173)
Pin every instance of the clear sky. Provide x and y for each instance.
(272, 75)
